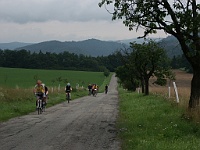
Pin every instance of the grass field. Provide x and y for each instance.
(152, 123)
(157, 122)
(26, 78)
(16, 88)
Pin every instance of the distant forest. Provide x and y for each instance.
(61, 61)
(71, 61)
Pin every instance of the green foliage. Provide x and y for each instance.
(142, 62)
(151, 123)
(178, 18)
(127, 77)
(106, 73)
(161, 81)
(61, 61)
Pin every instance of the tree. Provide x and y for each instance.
(149, 60)
(179, 18)
(127, 77)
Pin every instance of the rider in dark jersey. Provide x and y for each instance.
(68, 89)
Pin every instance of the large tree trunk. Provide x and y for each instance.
(142, 84)
(195, 89)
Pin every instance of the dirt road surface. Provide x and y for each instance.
(86, 123)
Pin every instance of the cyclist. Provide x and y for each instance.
(90, 89)
(39, 90)
(94, 89)
(68, 89)
(106, 89)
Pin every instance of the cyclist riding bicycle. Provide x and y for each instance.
(39, 90)
(68, 89)
(94, 89)
(106, 89)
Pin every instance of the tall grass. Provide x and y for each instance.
(183, 82)
(17, 102)
(152, 123)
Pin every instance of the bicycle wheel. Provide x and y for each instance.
(43, 106)
(39, 106)
(94, 93)
(68, 97)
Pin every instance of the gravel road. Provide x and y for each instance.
(86, 123)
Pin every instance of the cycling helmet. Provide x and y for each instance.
(39, 82)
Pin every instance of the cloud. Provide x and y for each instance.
(64, 31)
(24, 11)
(64, 20)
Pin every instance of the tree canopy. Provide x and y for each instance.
(142, 62)
(62, 61)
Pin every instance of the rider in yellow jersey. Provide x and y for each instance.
(39, 90)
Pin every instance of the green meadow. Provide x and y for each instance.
(154, 123)
(26, 78)
(16, 88)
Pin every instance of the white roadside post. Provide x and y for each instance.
(169, 91)
(169, 88)
(176, 92)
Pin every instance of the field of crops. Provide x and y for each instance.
(26, 78)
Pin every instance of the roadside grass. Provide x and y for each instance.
(22, 103)
(106, 81)
(183, 83)
(154, 123)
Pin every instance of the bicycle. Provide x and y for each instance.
(68, 96)
(106, 91)
(39, 106)
(44, 102)
(43, 106)
(94, 92)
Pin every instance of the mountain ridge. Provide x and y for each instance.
(91, 47)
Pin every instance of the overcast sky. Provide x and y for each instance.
(63, 20)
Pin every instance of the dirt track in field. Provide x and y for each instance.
(86, 123)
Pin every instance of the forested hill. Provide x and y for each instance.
(171, 45)
(90, 47)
